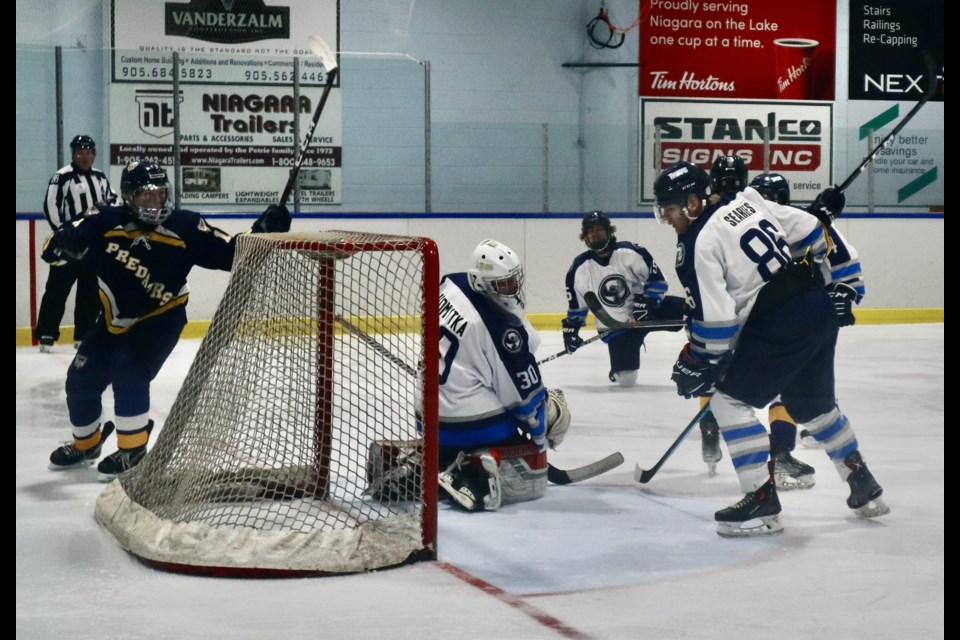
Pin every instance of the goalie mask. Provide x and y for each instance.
(728, 175)
(145, 190)
(598, 242)
(496, 272)
(773, 187)
(675, 186)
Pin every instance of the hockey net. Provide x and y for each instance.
(294, 445)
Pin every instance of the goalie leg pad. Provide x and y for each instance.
(394, 469)
(558, 417)
(486, 479)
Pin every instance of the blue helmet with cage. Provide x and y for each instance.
(772, 186)
(728, 175)
(145, 189)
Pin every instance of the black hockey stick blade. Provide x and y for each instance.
(931, 73)
(644, 476)
(593, 303)
(592, 470)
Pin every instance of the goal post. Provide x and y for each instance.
(304, 438)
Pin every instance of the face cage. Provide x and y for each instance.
(151, 215)
(509, 290)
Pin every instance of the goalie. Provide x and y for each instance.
(496, 417)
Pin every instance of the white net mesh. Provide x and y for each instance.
(272, 455)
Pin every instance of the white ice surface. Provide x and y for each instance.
(608, 558)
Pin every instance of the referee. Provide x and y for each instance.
(72, 191)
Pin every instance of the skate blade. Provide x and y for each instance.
(765, 526)
(789, 483)
(84, 464)
(873, 509)
(711, 469)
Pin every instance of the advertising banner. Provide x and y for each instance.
(236, 101)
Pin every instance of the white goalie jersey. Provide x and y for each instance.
(489, 379)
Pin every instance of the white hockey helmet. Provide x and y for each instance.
(496, 272)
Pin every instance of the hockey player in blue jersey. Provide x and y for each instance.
(141, 252)
(622, 282)
(496, 416)
(761, 325)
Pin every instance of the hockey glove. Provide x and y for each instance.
(843, 296)
(571, 334)
(275, 219)
(830, 201)
(70, 244)
(645, 308)
(693, 377)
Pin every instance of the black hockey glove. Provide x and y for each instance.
(70, 245)
(276, 219)
(571, 334)
(830, 201)
(693, 377)
(843, 296)
(644, 308)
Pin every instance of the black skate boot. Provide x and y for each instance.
(756, 515)
(710, 441)
(122, 461)
(68, 455)
(865, 492)
(790, 473)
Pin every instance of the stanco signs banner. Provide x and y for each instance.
(798, 139)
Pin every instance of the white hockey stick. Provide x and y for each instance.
(592, 470)
(329, 60)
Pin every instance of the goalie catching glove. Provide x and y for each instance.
(571, 334)
(843, 296)
(644, 308)
(694, 378)
(275, 219)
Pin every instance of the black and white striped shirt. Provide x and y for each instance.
(71, 192)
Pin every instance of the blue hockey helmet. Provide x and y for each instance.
(728, 175)
(676, 184)
(598, 218)
(772, 186)
(145, 189)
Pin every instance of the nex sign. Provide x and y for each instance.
(893, 83)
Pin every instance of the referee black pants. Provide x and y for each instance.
(54, 301)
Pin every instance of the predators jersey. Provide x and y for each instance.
(142, 271)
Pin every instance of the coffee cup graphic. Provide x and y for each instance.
(795, 68)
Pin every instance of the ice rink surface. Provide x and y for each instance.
(607, 558)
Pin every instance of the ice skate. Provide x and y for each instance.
(757, 514)
(865, 492)
(710, 441)
(121, 461)
(68, 456)
(790, 473)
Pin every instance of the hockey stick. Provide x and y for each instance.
(593, 303)
(329, 60)
(587, 471)
(565, 352)
(645, 475)
(376, 346)
(932, 74)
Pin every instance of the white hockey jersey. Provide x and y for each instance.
(489, 379)
(629, 270)
(728, 254)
